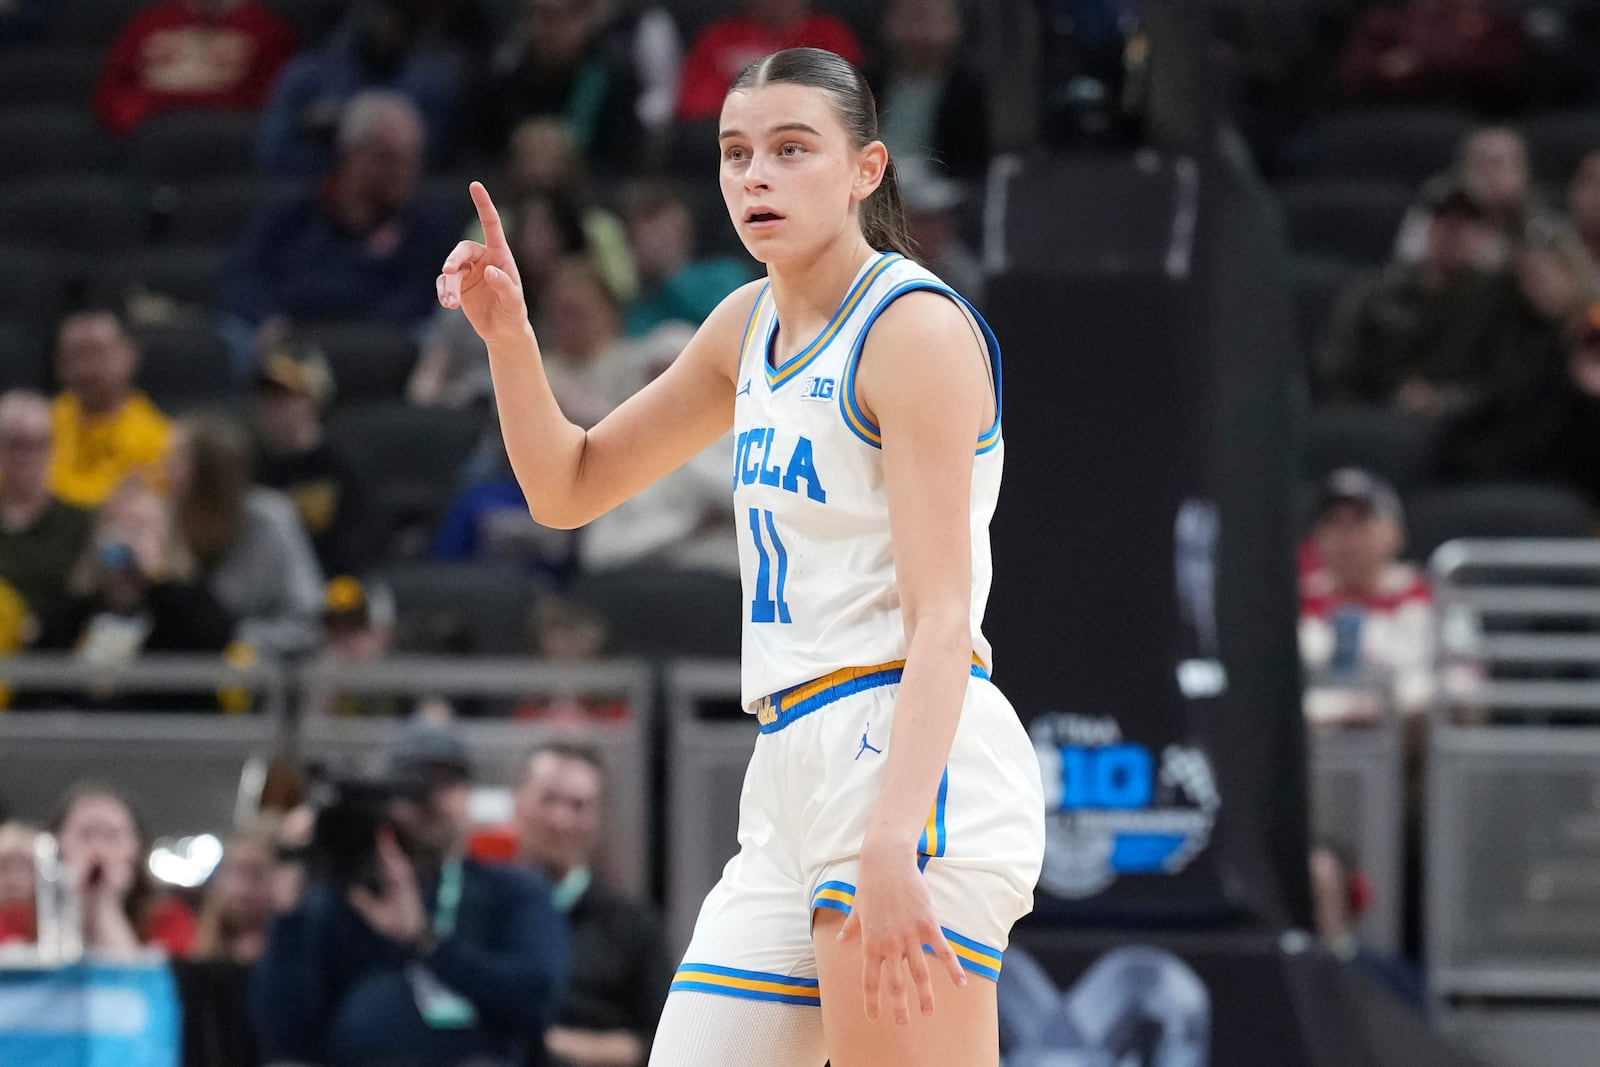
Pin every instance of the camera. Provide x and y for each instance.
(350, 811)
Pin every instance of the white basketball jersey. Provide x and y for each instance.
(812, 515)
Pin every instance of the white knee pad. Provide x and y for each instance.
(707, 1030)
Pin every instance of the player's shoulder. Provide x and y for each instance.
(930, 314)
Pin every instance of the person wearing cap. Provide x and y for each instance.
(1363, 610)
(443, 961)
(1492, 166)
(1423, 337)
(293, 455)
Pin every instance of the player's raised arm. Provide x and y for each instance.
(570, 475)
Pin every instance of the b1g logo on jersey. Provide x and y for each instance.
(1114, 808)
(814, 388)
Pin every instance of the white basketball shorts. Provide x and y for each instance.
(808, 792)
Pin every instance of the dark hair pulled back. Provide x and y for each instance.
(883, 218)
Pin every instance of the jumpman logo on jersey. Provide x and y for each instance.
(867, 746)
(744, 390)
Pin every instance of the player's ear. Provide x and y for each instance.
(872, 162)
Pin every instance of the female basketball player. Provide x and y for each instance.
(891, 827)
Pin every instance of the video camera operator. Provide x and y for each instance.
(402, 952)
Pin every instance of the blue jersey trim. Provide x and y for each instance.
(850, 408)
(800, 360)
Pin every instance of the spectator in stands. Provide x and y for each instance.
(102, 845)
(935, 108)
(1423, 336)
(565, 631)
(674, 285)
(684, 520)
(221, 54)
(104, 428)
(1363, 610)
(18, 872)
(1340, 893)
(136, 591)
(361, 244)
(295, 457)
(1448, 52)
(930, 205)
(489, 520)
(251, 549)
(620, 965)
(1583, 202)
(358, 623)
(1543, 425)
(728, 45)
(648, 36)
(41, 537)
(544, 157)
(1492, 165)
(557, 66)
(452, 368)
(381, 47)
(238, 900)
(446, 961)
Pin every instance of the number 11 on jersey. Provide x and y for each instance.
(766, 608)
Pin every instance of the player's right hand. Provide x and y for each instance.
(482, 279)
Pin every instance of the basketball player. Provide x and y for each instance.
(892, 821)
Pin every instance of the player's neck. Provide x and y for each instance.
(807, 293)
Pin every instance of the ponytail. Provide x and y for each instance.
(883, 217)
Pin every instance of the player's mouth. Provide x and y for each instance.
(761, 217)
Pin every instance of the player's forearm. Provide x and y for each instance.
(927, 711)
(544, 447)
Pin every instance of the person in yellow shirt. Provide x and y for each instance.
(105, 429)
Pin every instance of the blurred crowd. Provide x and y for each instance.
(374, 920)
(249, 408)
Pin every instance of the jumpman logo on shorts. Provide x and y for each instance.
(867, 746)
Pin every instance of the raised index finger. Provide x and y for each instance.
(494, 235)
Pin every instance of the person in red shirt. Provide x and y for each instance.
(221, 54)
(728, 45)
(102, 844)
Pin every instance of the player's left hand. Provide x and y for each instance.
(893, 919)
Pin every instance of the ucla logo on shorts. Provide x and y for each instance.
(1114, 808)
(814, 388)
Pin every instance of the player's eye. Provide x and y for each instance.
(733, 153)
(793, 148)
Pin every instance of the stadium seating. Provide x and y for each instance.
(183, 367)
(185, 145)
(1437, 515)
(49, 139)
(1558, 142)
(22, 357)
(1378, 439)
(1352, 219)
(58, 75)
(83, 213)
(369, 360)
(1403, 145)
(485, 605)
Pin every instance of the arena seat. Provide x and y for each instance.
(22, 356)
(59, 75)
(1558, 141)
(45, 140)
(1353, 220)
(38, 281)
(189, 144)
(1493, 509)
(1404, 145)
(1379, 439)
(183, 367)
(370, 361)
(486, 604)
(86, 213)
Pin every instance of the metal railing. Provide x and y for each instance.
(1358, 795)
(1513, 801)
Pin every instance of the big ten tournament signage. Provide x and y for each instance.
(1143, 612)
